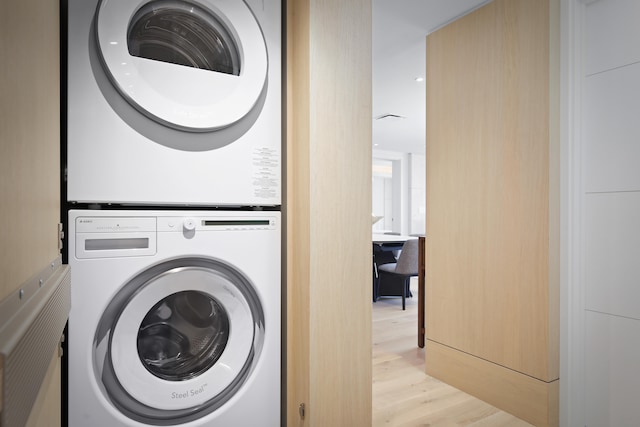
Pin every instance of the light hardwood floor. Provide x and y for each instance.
(403, 395)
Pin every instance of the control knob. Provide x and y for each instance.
(189, 224)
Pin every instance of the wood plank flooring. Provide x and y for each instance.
(403, 395)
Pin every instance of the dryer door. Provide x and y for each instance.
(179, 340)
(195, 65)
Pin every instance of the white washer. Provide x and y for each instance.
(174, 102)
(175, 318)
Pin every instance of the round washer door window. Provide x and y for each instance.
(183, 335)
(191, 65)
(179, 340)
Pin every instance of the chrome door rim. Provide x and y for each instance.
(107, 374)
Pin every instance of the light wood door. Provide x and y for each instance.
(30, 160)
(492, 206)
(29, 139)
(327, 212)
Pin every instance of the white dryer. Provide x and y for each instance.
(174, 102)
(175, 318)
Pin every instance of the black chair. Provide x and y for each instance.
(394, 278)
(381, 256)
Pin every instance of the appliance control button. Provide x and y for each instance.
(189, 224)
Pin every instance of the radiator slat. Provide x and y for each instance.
(31, 322)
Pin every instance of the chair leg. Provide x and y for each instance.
(376, 288)
(405, 291)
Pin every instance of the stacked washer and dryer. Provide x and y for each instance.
(173, 194)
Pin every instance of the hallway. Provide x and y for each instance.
(403, 395)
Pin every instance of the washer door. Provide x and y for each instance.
(195, 65)
(179, 340)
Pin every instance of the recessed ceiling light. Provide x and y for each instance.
(389, 116)
(419, 79)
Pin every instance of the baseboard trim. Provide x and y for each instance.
(525, 397)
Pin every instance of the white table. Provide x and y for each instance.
(382, 239)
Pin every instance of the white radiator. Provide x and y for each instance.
(31, 324)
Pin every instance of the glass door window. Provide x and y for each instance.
(183, 335)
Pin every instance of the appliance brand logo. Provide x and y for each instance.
(85, 221)
(189, 393)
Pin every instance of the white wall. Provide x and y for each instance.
(610, 214)
(382, 194)
(407, 210)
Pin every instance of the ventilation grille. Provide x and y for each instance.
(390, 117)
(38, 313)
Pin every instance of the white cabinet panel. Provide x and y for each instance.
(613, 34)
(612, 253)
(612, 130)
(612, 352)
(418, 170)
(417, 193)
(418, 211)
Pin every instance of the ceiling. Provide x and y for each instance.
(399, 55)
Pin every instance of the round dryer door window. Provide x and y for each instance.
(179, 340)
(196, 65)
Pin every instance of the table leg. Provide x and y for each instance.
(421, 291)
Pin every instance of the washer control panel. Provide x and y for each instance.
(100, 224)
(218, 223)
(108, 237)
